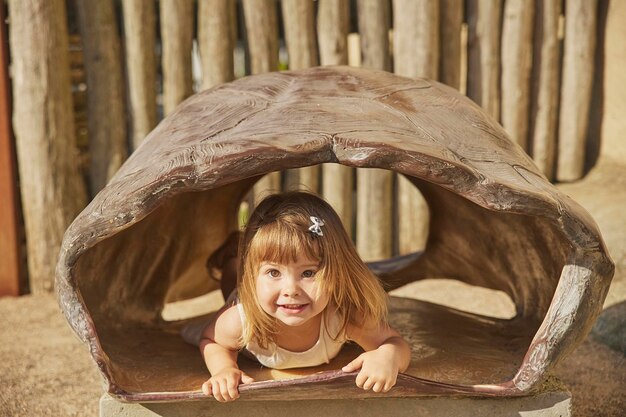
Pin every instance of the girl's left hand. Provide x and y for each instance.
(378, 370)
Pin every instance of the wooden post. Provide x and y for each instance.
(416, 54)
(215, 33)
(374, 239)
(579, 49)
(140, 38)
(11, 269)
(299, 23)
(177, 22)
(374, 33)
(613, 147)
(354, 50)
(234, 22)
(517, 32)
(483, 69)
(416, 38)
(451, 22)
(545, 106)
(105, 97)
(333, 21)
(262, 36)
(52, 188)
(333, 24)
(262, 31)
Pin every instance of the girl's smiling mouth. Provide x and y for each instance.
(292, 308)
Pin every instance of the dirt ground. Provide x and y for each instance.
(46, 371)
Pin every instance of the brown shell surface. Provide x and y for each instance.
(496, 222)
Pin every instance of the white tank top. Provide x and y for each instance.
(325, 349)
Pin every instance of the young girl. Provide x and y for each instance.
(302, 292)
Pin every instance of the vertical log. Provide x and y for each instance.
(140, 38)
(483, 69)
(299, 23)
(52, 188)
(262, 32)
(105, 96)
(613, 147)
(333, 21)
(374, 239)
(451, 21)
(177, 40)
(416, 38)
(354, 50)
(333, 24)
(517, 32)
(215, 33)
(234, 23)
(546, 86)
(374, 221)
(416, 54)
(374, 33)
(579, 49)
(11, 269)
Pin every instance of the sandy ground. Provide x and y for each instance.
(46, 371)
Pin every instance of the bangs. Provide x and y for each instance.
(282, 243)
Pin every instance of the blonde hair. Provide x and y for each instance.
(278, 231)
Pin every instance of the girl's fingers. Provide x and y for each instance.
(224, 390)
(388, 386)
(217, 391)
(369, 383)
(246, 379)
(354, 365)
(206, 388)
(378, 386)
(375, 385)
(231, 386)
(361, 379)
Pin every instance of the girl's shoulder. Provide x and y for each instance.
(356, 330)
(339, 324)
(227, 326)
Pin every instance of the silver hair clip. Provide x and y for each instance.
(316, 227)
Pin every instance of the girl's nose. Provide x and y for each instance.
(290, 288)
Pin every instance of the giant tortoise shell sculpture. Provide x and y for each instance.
(496, 222)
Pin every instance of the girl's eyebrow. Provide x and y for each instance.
(266, 263)
(274, 264)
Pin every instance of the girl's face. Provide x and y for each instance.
(291, 292)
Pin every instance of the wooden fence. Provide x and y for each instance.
(91, 78)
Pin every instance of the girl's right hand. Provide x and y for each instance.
(223, 385)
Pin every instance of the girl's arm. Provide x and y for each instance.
(219, 347)
(386, 354)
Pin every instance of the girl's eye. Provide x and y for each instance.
(274, 273)
(308, 274)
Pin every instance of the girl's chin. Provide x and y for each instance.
(292, 322)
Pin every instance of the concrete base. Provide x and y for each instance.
(545, 404)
